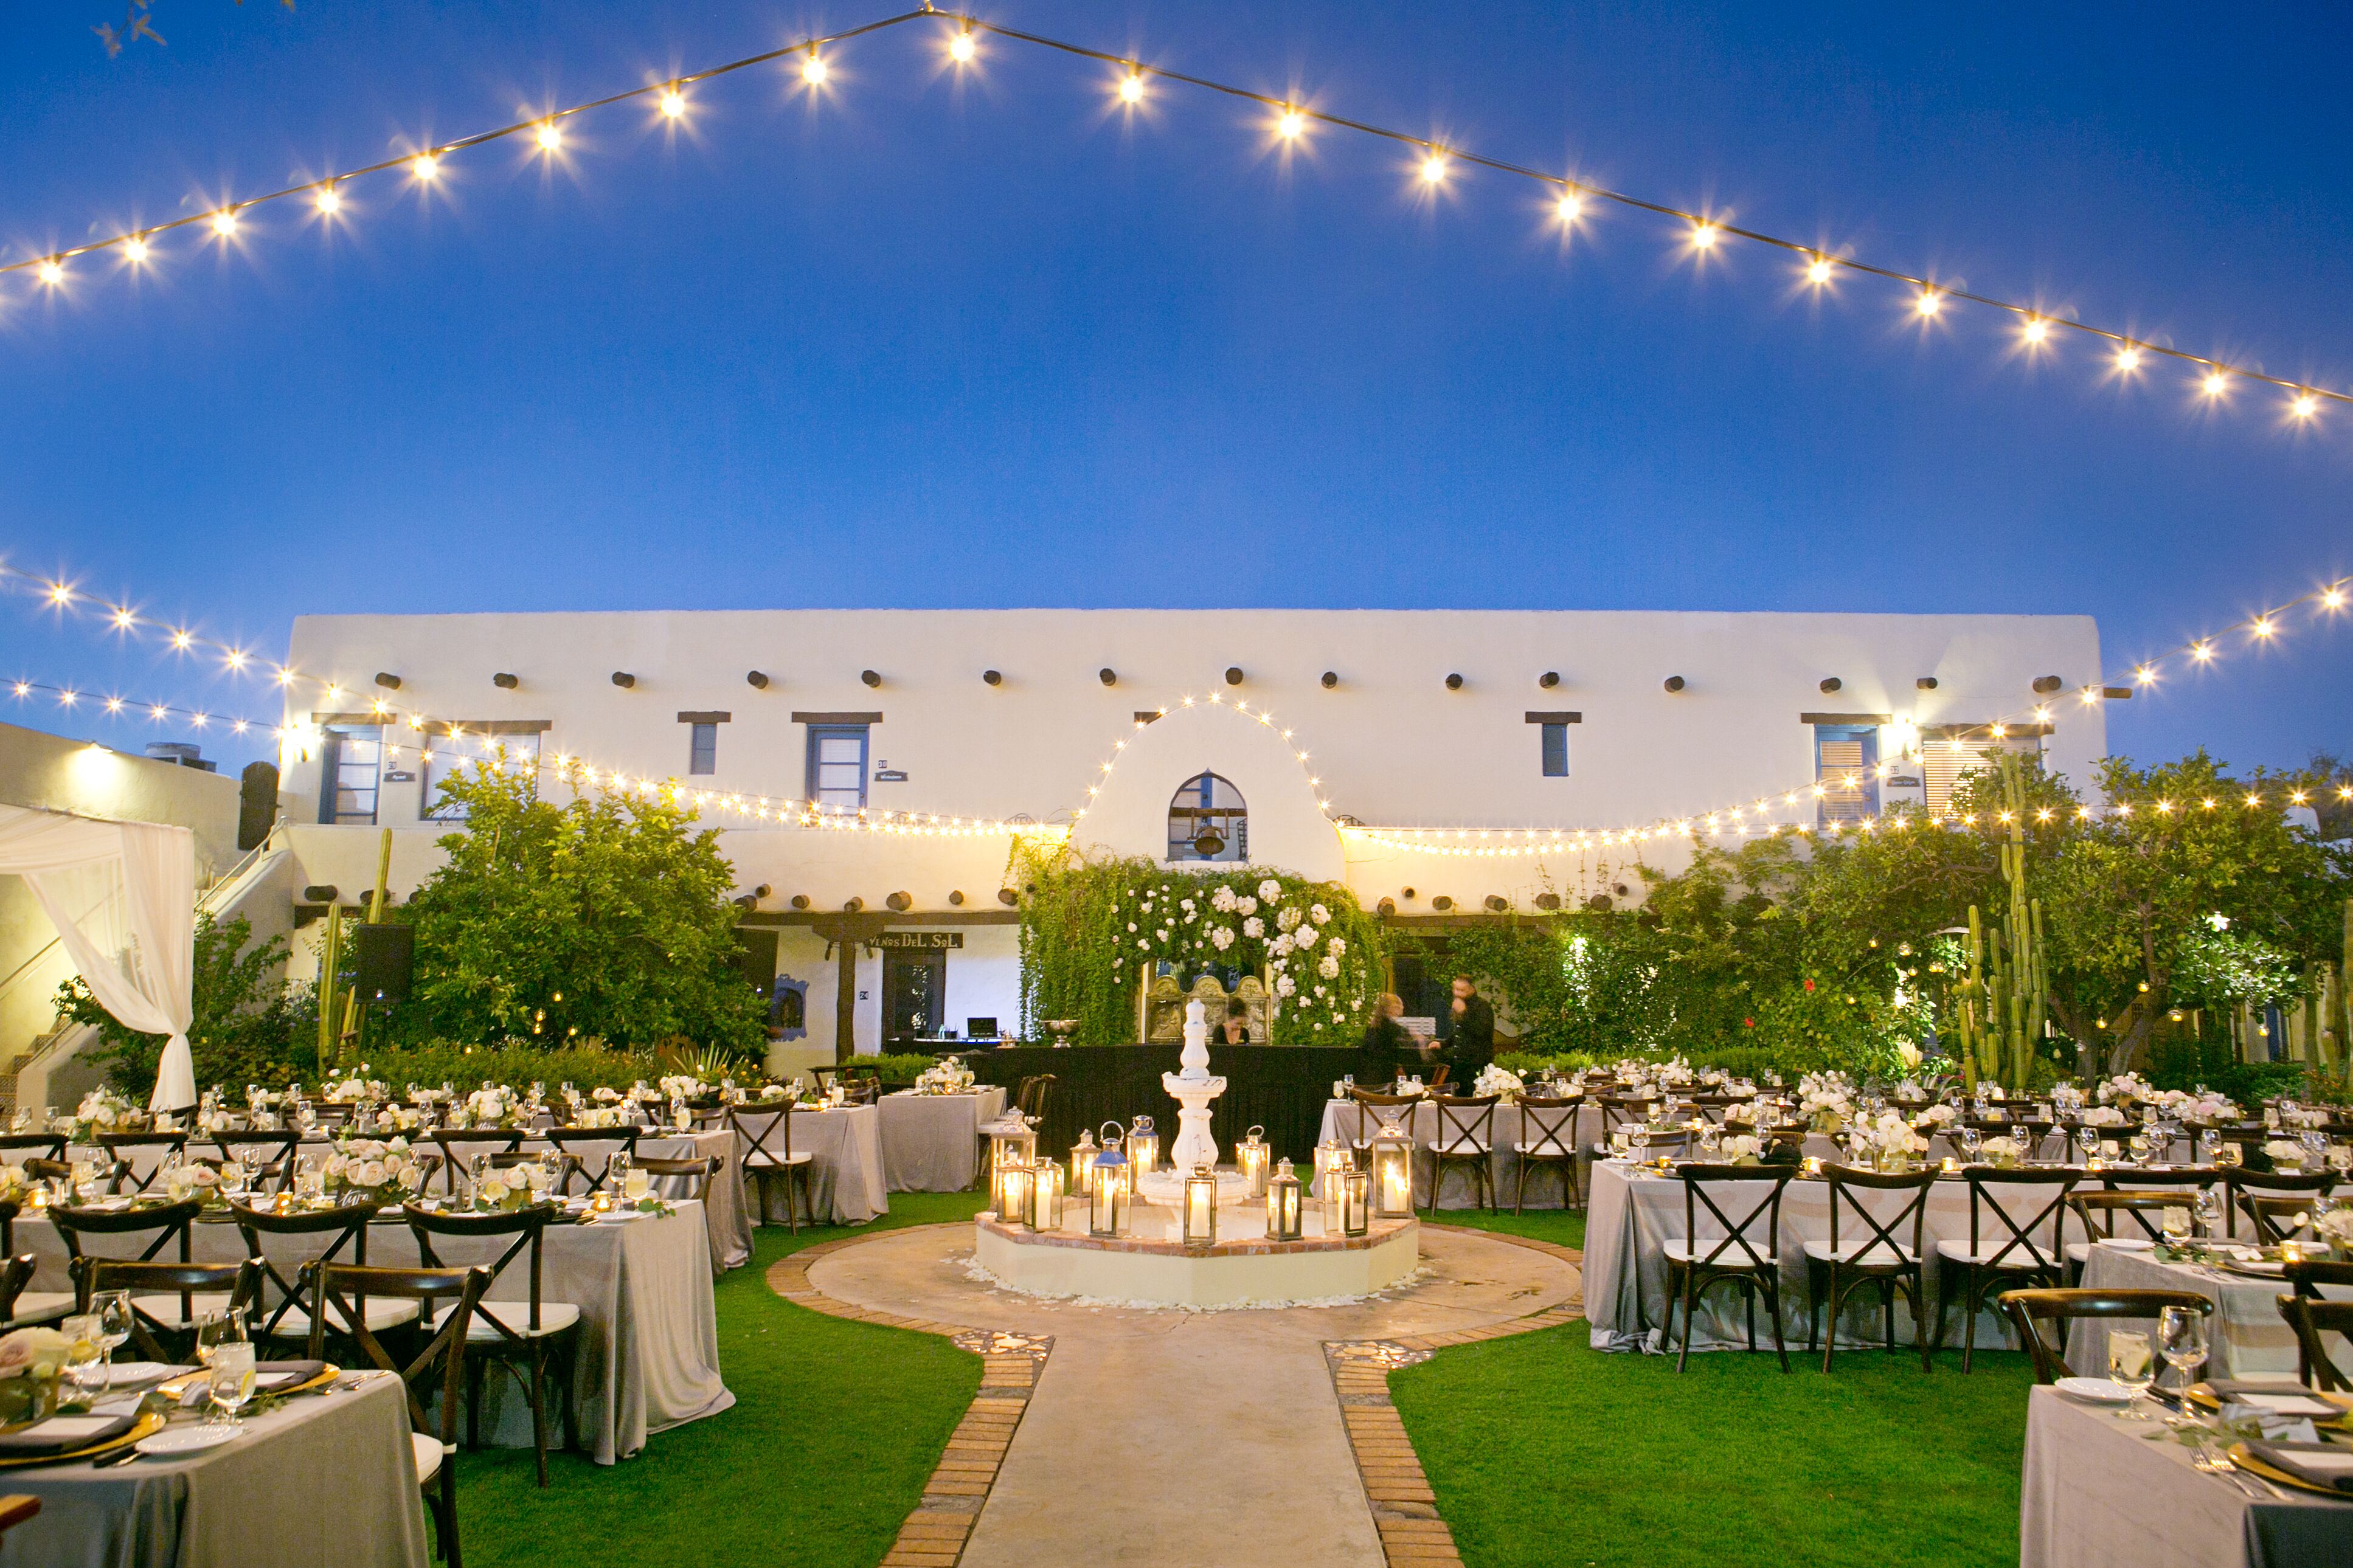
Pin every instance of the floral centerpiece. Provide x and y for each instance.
(2103, 1115)
(203, 1183)
(104, 1112)
(30, 1360)
(1499, 1080)
(1740, 1148)
(492, 1105)
(2336, 1226)
(2003, 1153)
(949, 1076)
(1891, 1137)
(1825, 1100)
(383, 1171)
(354, 1089)
(516, 1187)
(15, 1187)
(598, 1116)
(2125, 1088)
(2284, 1153)
(683, 1086)
(1745, 1111)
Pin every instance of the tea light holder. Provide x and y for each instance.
(1045, 1210)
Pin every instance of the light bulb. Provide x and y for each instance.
(1571, 207)
(2305, 406)
(1818, 271)
(1433, 168)
(2129, 358)
(2262, 627)
(2037, 329)
(224, 223)
(813, 70)
(550, 136)
(2333, 599)
(1703, 237)
(673, 103)
(1927, 304)
(135, 248)
(1291, 124)
(960, 50)
(52, 272)
(1131, 87)
(2215, 385)
(425, 165)
(329, 199)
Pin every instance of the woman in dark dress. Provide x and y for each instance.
(1386, 1046)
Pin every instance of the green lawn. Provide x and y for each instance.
(1544, 1451)
(835, 1429)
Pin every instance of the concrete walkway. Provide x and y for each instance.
(1210, 1439)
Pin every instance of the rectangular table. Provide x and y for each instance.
(648, 1349)
(846, 1185)
(2246, 1337)
(931, 1143)
(2097, 1492)
(322, 1481)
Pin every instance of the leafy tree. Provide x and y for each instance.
(247, 1026)
(607, 916)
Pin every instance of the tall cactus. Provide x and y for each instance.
(2005, 999)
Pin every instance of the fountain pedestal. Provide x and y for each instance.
(1192, 1088)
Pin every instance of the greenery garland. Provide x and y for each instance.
(1094, 931)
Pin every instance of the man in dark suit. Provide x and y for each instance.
(1470, 1043)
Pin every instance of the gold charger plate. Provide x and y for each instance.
(2277, 1477)
(172, 1388)
(149, 1421)
(2202, 1396)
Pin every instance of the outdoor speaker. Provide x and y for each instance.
(386, 956)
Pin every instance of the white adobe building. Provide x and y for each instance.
(1587, 721)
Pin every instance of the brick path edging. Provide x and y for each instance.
(1403, 1508)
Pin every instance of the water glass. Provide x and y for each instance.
(85, 1365)
(2177, 1223)
(231, 1382)
(1969, 1140)
(617, 1171)
(2181, 1340)
(214, 1330)
(2129, 1364)
(635, 1184)
(113, 1311)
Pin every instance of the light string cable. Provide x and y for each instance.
(1756, 816)
(439, 737)
(2128, 355)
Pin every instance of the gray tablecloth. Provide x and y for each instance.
(846, 1185)
(2097, 1493)
(2246, 1337)
(326, 1481)
(1625, 1272)
(727, 1217)
(649, 1356)
(1459, 1188)
(931, 1143)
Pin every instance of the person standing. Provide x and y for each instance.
(1471, 1044)
(1386, 1046)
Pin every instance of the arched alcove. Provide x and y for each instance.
(1208, 821)
(1129, 813)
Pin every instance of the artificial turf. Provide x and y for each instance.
(835, 1429)
(1545, 1451)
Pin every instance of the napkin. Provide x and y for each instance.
(2286, 1398)
(60, 1432)
(130, 1374)
(269, 1375)
(2322, 1464)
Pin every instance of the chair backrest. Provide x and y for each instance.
(527, 1226)
(2240, 1186)
(344, 1226)
(1739, 1242)
(582, 1143)
(267, 1155)
(15, 1275)
(168, 1221)
(241, 1280)
(2276, 1217)
(697, 1172)
(2306, 1277)
(1618, 1109)
(460, 1145)
(2013, 1245)
(441, 1364)
(2029, 1310)
(765, 1134)
(2098, 1211)
(1548, 1128)
(122, 1145)
(2310, 1319)
(1847, 1186)
(1464, 1126)
(1034, 1094)
(33, 1145)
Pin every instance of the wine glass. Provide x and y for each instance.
(2129, 1366)
(617, 1170)
(2177, 1222)
(636, 1183)
(85, 1365)
(2228, 1155)
(113, 1309)
(2181, 1340)
(231, 1382)
(214, 1330)
(1969, 1140)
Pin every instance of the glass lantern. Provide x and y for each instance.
(1011, 1187)
(1142, 1149)
(1390, 1163)
(1251, 1157)
(1284, 1218)
(1355, 1202)
(1109, 1192)
(1201, 1212)
(1045, 1210)
(1083, 1164)
(1332, 1183)
(1011, 1143)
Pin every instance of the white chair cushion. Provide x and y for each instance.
(1460, 1146)
(1748, 1255)
(1870, 1253)
(1954, 1251)
(381, 1312)
(429, 1454)
(554, 1317)
(757, 1158)
(2078, 1251)
(165, 1309)
(43, 1306)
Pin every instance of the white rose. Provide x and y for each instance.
(1317, 913)
(1329, 968)
(1284, 985)
(1270, 891)
(1223, 937)
(368, 1173)
(1246, 906)
(1253, 928)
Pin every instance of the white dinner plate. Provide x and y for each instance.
(174, 1442)
(2093, 1390)
(138, 1373)
(2128, 1243)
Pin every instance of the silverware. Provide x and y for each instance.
(122, 1455)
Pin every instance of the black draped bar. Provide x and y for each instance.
(1280, 1088)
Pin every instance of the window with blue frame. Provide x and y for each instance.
(1556, 751)
(1846, 771)
(836, 765)
(351, 757)
(703, 749)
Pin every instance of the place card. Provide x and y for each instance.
(70, 1429)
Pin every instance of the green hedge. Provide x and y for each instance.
(445, 1061)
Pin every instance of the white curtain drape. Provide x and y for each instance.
(123, 897)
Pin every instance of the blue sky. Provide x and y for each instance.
(932, 339)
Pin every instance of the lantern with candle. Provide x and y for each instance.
(1109, 1192)
(1045, 1210)
(1251, 1156)
(1355, 1202)
(1201, 1213)
(1083, 1164)
(1284, 1218)
(1390, 1162)
(1012, 1185)
(1143, 1148)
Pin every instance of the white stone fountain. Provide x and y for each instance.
(1192, 1088)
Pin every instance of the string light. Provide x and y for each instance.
(225, 222)
(135, 248)
(329, 200)
(1701, 233)
(550, 136)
